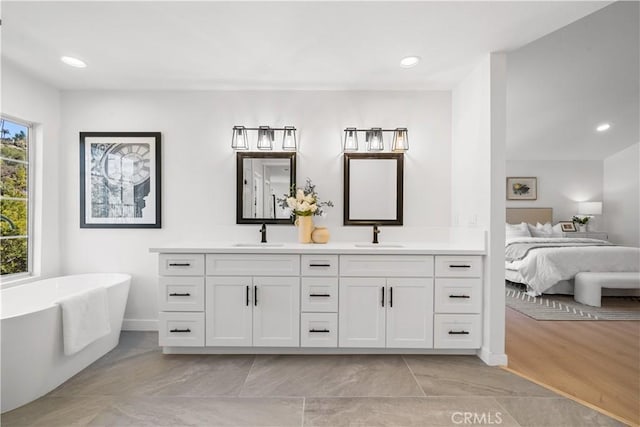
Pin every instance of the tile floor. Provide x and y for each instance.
(136, 385)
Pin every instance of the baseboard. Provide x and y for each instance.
(492, 359)
(139, 325)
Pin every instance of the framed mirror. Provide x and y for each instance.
(261, 179)
(373, 188)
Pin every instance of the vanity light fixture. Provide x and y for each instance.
(374, 139)
(266, 136)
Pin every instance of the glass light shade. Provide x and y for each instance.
(590, 208)
(289, 139)
(239, 139)
(265, 138)
(350, 139)
(400, 140)
(374, 140)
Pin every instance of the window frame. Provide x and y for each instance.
(30, 198)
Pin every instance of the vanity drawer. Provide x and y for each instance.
(319, 330)
(458, 266)
(457, 331)
(320, 294)
(319, 265)
(458, 295)
(386, 266)
(181, 294)
(181, 264)
(181, 329)
(253, 265)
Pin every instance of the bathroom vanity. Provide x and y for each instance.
(333, 298)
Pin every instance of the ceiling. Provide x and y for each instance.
(562, 86)
(270, 45)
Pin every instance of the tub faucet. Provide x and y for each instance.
(263, 232)
(376, 231)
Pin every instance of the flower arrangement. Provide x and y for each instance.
(304, 201)
(581, 220)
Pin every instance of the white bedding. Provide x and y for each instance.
(544, 267)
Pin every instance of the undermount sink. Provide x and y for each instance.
(258, 245)
(378, 245)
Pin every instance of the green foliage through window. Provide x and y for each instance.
(14, 197)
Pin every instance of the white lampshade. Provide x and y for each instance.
(590, 208)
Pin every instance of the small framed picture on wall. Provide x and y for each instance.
(522, 188)
(567, 226)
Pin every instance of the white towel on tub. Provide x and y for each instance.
(85, 318)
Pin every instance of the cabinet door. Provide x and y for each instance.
(361, 311)
(276, 312)
(410, 313)
(228, 309)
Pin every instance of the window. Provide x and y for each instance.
(15, 198)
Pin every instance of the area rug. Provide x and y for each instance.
(563, 307)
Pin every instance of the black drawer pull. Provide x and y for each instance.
(382, 300)
(255, 295)
(320, 295)
(176, 294)
(459, 266)
(319, 330)
(391, 296)
(319, 265)
(247, 296)
(180, 330)
(459, 296)
(179, 264)
(458, 333)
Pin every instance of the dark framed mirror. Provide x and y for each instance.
(373, 188)
(261, 178)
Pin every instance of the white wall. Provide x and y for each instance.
(477, 187)
(562, 184)
(28, 99)
(621, 203)
(198, 171)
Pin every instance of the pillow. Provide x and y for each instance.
(540, 230)
(517, 230)
(557, 230)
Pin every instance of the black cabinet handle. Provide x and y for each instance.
(176, 294)
(247, 296)
(458, 333)
(459, 266)
(255, 295)
(320, 330)
(320, 295)
(382, 296)
(390, 296)
(319, 265)
(459, 296)
(180, 330)
(179, 264)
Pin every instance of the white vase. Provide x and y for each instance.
(582, 228)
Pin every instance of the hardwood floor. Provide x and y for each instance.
(597, 362)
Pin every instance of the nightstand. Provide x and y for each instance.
(602, 235)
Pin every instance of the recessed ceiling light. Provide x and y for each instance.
(409, 61)
(74, 62)
(603, 127)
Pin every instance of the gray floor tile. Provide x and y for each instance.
(468, 376)
(199, 411)
(149, 373)
(417, 411)
(57, 411)
(330, 376)
(138, 339)
(553, 412)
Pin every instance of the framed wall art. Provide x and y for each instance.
(522, 188)
(120, 180)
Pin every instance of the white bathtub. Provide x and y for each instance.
(33, 359)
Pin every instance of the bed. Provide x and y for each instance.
(548, 264)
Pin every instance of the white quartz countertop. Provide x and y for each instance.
(457, 247)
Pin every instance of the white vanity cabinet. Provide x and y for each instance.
(253, 308)
(392, 312)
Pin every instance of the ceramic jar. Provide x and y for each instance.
(320, 235)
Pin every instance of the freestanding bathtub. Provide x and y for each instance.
(33, 359)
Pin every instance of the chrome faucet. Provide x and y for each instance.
(376, 231)
(263, 232)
